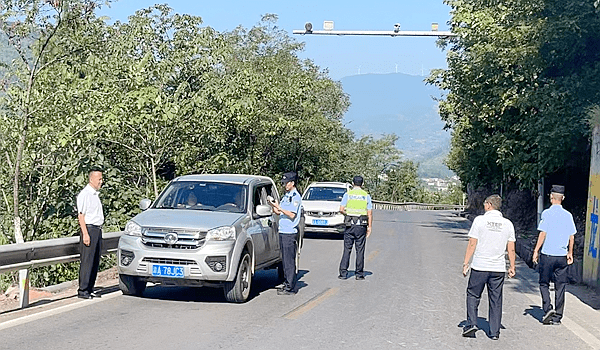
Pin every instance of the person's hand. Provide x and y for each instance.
(511, 272)
(465, 269)
(569, 258)
(86, 239)
(535, 257)
(368, 231)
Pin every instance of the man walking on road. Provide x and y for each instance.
(491, 235)
(357, 206)
(91, 218)
(556, 239)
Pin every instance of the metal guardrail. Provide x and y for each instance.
(382, 205)
(47, 252)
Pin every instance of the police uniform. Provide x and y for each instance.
(357, 203)
(288, 232)
(559, 227)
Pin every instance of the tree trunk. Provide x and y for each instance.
(154, 178)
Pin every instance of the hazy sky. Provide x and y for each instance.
(341, 55)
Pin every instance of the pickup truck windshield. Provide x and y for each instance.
(197, 195)
(332, 194)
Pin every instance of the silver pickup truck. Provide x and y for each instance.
(203, 230)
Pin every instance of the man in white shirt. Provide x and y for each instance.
(491, 235)
(91, 218)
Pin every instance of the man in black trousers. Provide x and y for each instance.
(556, 240)
(91, 218)
(491, 235)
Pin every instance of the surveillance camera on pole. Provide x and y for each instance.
(308, 27)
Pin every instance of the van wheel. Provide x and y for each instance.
(131, 285)
(239, 290)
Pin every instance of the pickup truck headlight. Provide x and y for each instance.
(222, 233)
(133, 229)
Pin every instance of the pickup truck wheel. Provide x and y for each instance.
(131, 285)
(239, 290)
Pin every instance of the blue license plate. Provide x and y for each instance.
(167, 271)
(319, 222)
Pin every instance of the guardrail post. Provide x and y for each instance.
(23, 288)
(23, 274)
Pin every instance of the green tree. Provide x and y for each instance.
(520, 77)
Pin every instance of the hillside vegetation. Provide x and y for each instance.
(159, 96)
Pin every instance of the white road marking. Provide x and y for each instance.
(56, 311)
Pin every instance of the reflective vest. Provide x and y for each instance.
(357, 202)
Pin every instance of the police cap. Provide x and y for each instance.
(289, 176)
(558, 189)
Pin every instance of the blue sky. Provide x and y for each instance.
(341, 55)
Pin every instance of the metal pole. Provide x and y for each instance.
(540, 202)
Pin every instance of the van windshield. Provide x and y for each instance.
(331, 194)
(199, 195)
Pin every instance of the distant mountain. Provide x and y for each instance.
(401, 104)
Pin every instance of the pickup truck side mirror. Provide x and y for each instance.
(263, 210)
(145, 204)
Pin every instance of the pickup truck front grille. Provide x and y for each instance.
(170, 261)
(173, 238)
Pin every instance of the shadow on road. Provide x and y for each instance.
(263, 280)
(534, 311)
(482, 324)
(328, 236)
(458, 229)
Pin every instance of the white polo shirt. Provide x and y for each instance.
(88, 204)
(492, 232)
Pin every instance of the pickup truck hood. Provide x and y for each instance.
(326, 206)
(188, 219)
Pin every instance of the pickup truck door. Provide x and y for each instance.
(259, 226)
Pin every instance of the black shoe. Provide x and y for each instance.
(342, 277)
(84, 295)
(495, 337)
(547, 319)
(360, 278)
(469, 330)
(95, 295)
(555, 323)
(285, 292)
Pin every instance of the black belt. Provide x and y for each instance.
(94, 226)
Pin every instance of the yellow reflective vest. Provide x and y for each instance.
(357, 202)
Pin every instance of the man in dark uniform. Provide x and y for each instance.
(289, 211)
(357, 206)
(556, 239)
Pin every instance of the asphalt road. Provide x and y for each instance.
(413, 298)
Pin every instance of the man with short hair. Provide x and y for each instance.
(289, 211)
(357, 206)
(556, 239)
(491, 235)
(91, 218)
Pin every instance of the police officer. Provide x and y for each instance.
(289, 211)
(556, 239)
(357, 206)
